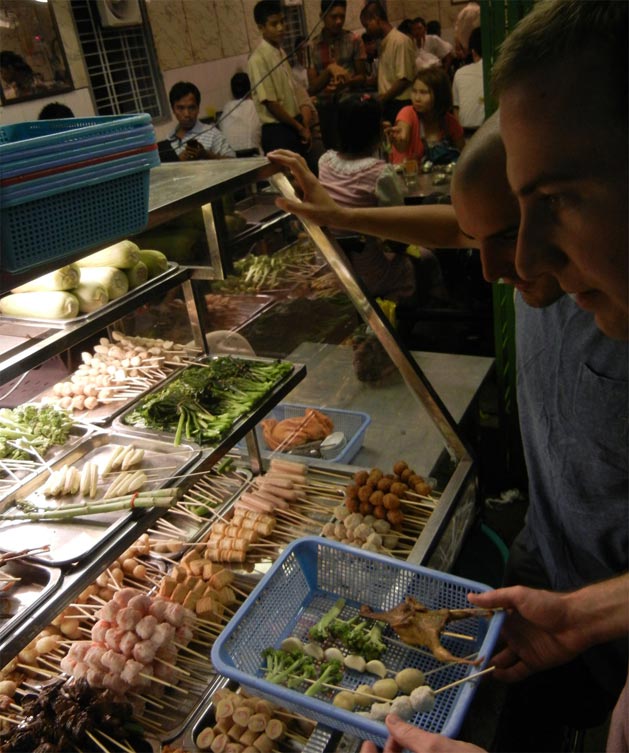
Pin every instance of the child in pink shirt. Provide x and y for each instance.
(354, 176)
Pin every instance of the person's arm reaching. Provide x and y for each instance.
(546, 629)
(434, 226)
(404, 736)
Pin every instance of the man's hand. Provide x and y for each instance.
(405, 736)
(194, 151)
(304, 134)
(338, 76)
(316, 205)
(539, 631)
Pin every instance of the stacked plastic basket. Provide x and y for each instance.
(70, 184)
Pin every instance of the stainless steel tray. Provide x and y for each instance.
(174, 525)
(78, 433)
(61, 323)
(79, 537)
(239, 428)
(237, 308)
(35, 586)
(204, 717)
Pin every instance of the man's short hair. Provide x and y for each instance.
(240, 85)
(54, 110)
(557, 30)
(373, 9)
(182, 89)
(265, 8)
(434, 28)
(406, 27)
(476, 42)
(419, 20)
(327, 5)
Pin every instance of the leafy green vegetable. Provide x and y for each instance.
(203, 402)
(32, 427)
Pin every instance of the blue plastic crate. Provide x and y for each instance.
(352, 423)
(138, 137)
(40, 137)
(96, 210)
(306, 580)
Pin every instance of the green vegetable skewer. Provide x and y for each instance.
(132, 501)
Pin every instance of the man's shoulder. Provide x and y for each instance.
(263, 51)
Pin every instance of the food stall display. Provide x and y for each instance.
(156, 519)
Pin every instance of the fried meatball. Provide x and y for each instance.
(400, 467)
(391, 501)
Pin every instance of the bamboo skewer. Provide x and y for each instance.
(127, 749)
(449, 664)
(96, 741)
(465, 679)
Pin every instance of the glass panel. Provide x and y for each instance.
(32, 60)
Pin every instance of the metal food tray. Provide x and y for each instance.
(104, 413)
(245, 308)
(82, 318)
(239, 428)
(37, 583)
(204, 717)
(192, 530)
(79, 537)
(78, 433)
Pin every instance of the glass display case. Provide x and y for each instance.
(302, 304)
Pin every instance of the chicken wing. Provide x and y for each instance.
(419, 626)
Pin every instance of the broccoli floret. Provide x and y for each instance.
(307, 671)
(373, 646)
(321, 631)
(358, 637)
(331, 673)
(341, 629)
(282, 665)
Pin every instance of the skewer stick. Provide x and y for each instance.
(461, 636)
(126, 748)
(152, 678)
(96, 741)
(449, 664)
(9, 719)
(465, 679)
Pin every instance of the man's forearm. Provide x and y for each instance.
(279, 113)
(398, 87)
(434, 226)
(306, 114)
(318, 81)
(600, 612)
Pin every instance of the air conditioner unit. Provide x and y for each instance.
(120, 12)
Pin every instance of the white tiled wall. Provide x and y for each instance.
(213, 81)
(206, 42)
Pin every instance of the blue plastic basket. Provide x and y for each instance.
(352, 423)
(40, 137)
(66, 180)
(138, 137)
(96, 211)
(46, 218)
(306, 580)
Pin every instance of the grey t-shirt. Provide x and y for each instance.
(572, 397)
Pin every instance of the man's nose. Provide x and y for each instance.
(534, 254)
(495, 264)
